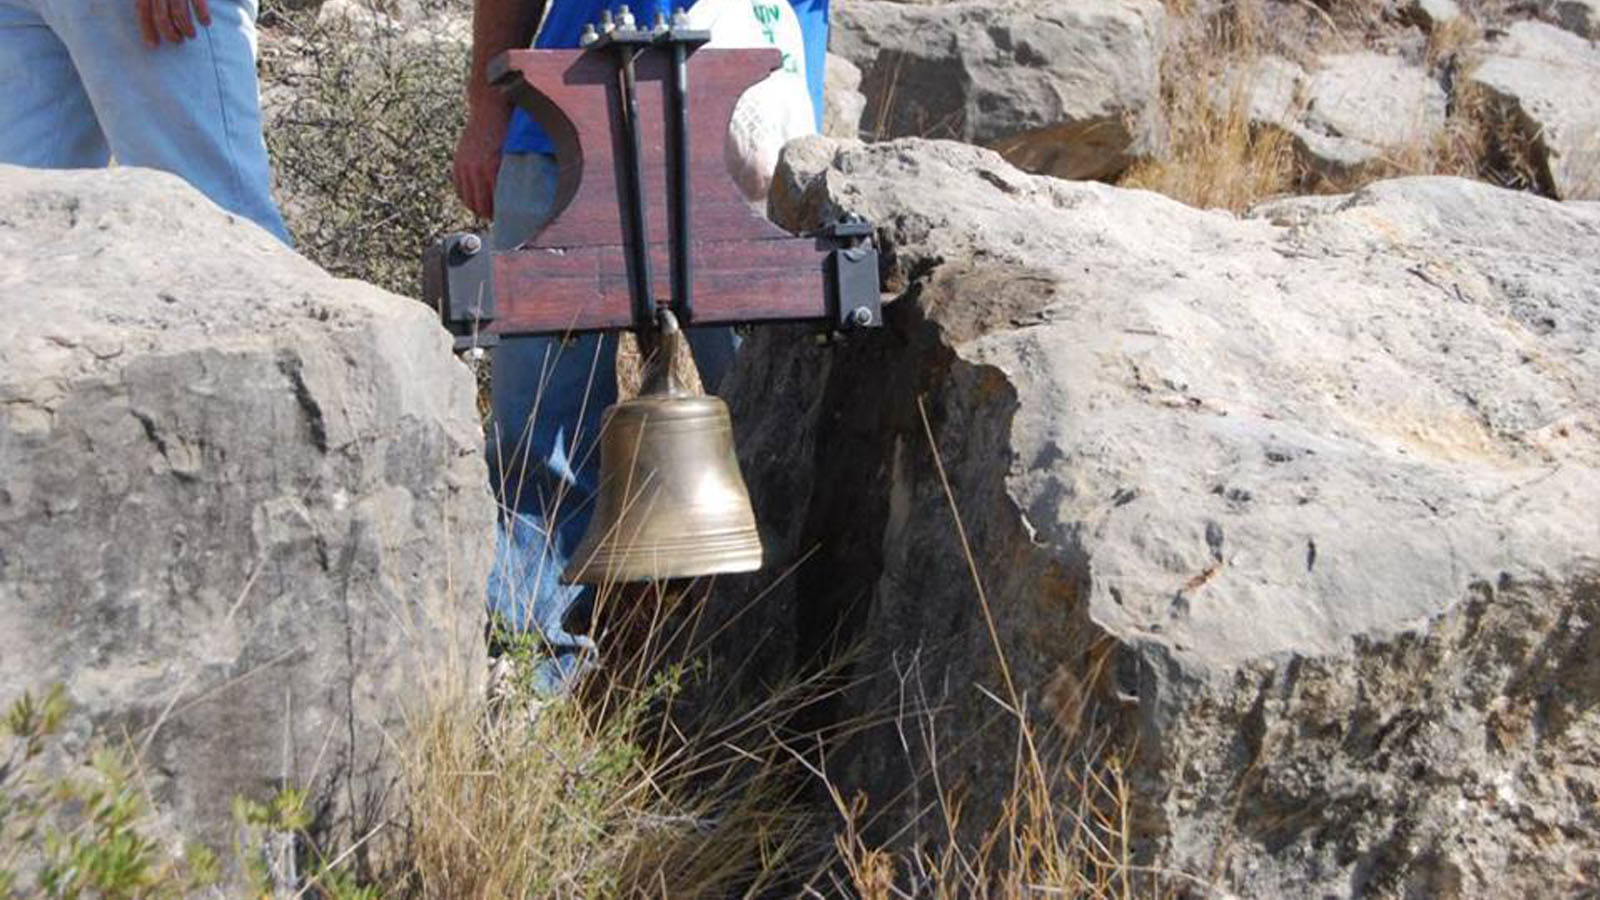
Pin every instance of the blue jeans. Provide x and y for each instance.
(77, 86)
(546, 398)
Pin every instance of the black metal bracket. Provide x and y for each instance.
(851, 274)
(620, 34)
(455, 282)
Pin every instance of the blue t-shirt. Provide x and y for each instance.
(564, 23)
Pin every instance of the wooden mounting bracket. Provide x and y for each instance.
(574, 274)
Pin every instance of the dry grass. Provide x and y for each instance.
(1214, 155)
(597, 795)
(600, 794)
(1217, 158)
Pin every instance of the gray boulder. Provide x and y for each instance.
(1355, 114)
(1431, 14)
(1062, 89)
(1581, 17)
(842, 100)
(244, 515)
(1543, 84)
(1294, 514)
(1363, 108)
(1269, 90)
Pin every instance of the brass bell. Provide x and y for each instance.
(671, 501)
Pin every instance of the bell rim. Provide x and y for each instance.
(619, 566)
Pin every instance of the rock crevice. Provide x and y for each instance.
(1291, 505)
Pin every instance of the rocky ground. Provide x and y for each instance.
(1264, 496)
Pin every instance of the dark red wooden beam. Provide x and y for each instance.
(574, 274)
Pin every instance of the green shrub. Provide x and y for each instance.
(86, 836)
(361, 128)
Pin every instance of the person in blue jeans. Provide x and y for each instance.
(162, 84)
(547, 394)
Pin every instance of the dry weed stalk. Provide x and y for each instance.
(602, 792)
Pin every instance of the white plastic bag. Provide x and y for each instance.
(775, 109)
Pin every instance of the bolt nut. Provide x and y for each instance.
(470, 244)
(861, 317)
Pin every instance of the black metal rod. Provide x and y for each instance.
(644, 305)
(682, 271)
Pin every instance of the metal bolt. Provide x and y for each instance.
(470, 244)
(861, 317)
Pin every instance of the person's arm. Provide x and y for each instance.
(497, 26)
(170, 20)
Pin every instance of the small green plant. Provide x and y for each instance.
(277, 833)
(70, 837)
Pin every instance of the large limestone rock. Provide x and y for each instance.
(1544, 81)
(243, 509)
(1351, 117)
(1298, 512)
(1362, 107)
(1064, 89)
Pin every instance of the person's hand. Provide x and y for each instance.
(170, 20)
(478, 156)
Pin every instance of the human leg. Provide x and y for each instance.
(46, 120)
(546, 397)
(192, 109)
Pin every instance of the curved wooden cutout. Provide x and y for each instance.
(575, 96)
(574, 274)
